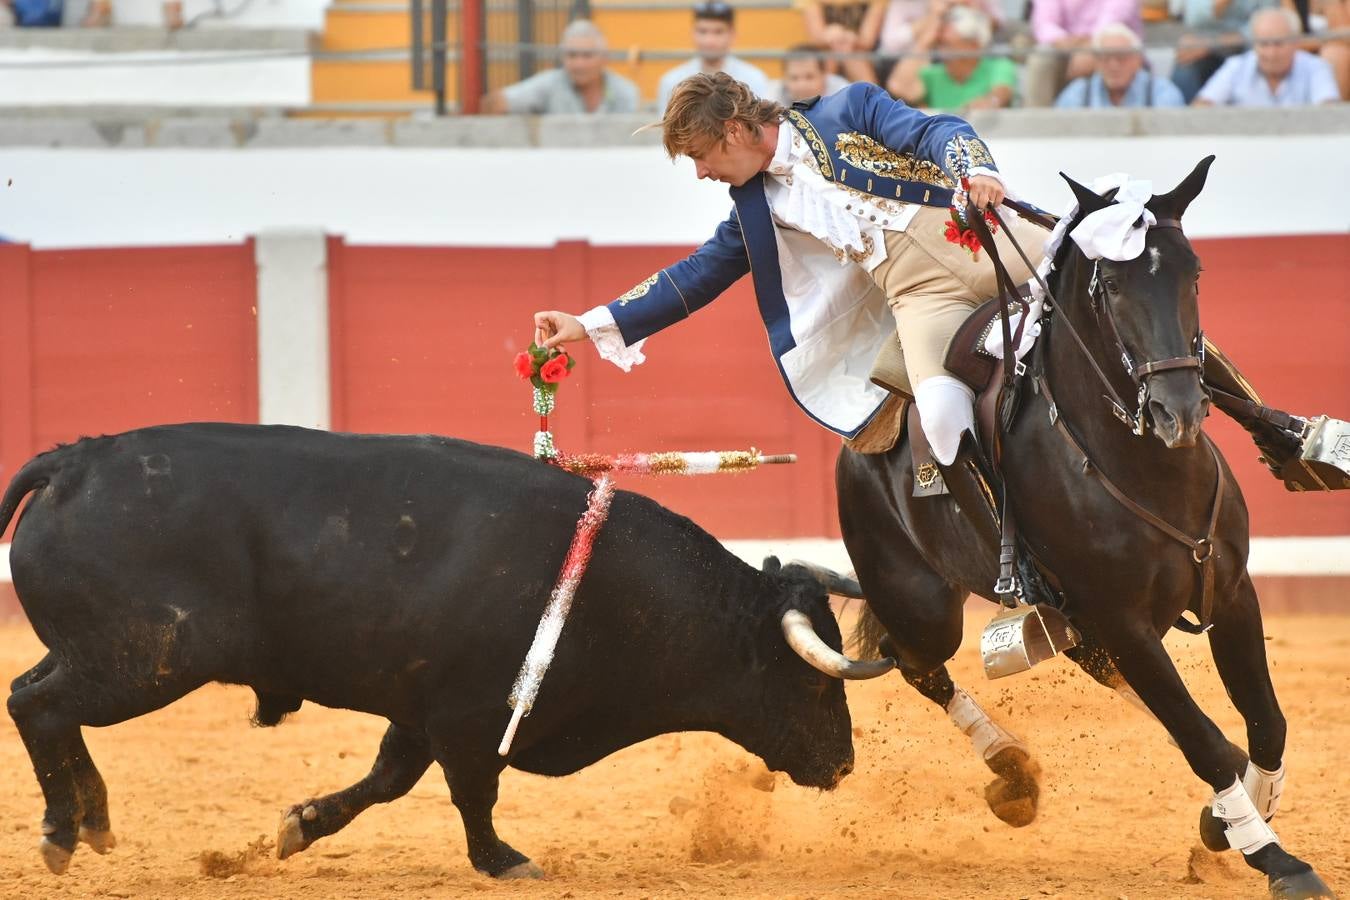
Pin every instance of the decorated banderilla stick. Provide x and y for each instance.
(546, 636)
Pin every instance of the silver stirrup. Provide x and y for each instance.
(1018, 638)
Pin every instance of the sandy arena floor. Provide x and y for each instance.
(196, 793)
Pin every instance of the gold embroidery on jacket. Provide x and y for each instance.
(857, 256)
(639, 290)
(813, 138)
(869, 155)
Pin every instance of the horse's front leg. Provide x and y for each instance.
(1237, 641)
(1139, 655)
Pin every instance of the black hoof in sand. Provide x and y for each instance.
(1212, 831)
(1303, 886)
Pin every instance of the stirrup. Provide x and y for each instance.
(1022, 636)
(1324, 463)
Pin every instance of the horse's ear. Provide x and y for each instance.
(1089, 201)
(1173, 204)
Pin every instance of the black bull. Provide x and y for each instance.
(402, 577)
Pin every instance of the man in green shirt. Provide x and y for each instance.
(961, 81)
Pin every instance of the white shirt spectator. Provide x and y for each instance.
(552, 92)
(1239, 82)
(739, 69)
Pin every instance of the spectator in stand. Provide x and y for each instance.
(583, 84)
(30, 13)
(1334, 15)
(100, 14)
(1274, 72)
(909, 20)
(806, 75)
(1063, 31)
(966, 80)
(1215, 32)
(846, 27)
(714, 33)
(1121, 79)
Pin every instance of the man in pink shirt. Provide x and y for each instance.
(1063, 30)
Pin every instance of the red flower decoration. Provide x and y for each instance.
(524, 365)
(555, 370)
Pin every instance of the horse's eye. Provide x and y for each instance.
(1111, 285)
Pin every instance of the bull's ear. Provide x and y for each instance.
(1089, 201)
(771, 565)
(1173, 204)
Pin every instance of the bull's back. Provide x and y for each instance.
(294, 553)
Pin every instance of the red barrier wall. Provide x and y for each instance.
(423, 340)
(96, 341)
(101, 341)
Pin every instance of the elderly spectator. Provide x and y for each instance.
(963, 79)
(714, 33)
(1214, 33)
(806, 75)
(583, 85)
(846, 27)
(1121, 78)
(1063, 31)
(1273, 73)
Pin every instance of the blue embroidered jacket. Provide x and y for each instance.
(866, 141)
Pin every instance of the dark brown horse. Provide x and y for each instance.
(1124, 581)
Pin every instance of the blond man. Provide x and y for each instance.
(841, 218)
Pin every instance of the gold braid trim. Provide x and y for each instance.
(813, 138)
(639, 291)
(871, 156)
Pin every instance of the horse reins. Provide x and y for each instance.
(1202, 549)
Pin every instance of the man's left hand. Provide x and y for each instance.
(985, 192)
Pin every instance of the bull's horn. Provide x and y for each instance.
(802, 638)
(832, 581)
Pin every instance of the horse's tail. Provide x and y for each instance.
(865, 641)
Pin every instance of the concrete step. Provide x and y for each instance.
(129, 40)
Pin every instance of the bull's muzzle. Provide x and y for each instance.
(802, 638)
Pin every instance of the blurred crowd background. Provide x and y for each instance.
(621, 56)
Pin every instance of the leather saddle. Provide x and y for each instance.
(967, 359)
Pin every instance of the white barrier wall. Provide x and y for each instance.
(535, 197)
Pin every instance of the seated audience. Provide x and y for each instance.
(1214, 32)
(714, 33)
(964, 81)
(1334, 15)
(1063, 31)
(907, 20)
(583, 84)
(1274, 72)
(846, 27)
(1121, 79)
(805, 76)
(30, 13)
(100, 14)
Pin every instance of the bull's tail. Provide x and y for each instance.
(865, 640)
(36, 474)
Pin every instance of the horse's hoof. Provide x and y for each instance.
(1014, 796)
(290, 835)
(1303, 886)
(1212, 831)
(56, 857)
(527, 869)
(99, 841)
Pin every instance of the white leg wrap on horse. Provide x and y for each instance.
(1264, 788)
(988, 737)
(1243, 825)
(946, 409)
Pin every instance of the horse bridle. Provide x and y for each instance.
(1140, 373)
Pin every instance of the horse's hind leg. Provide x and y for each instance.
(404, 755)
(1143, 661)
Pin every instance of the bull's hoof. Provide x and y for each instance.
(1212, 832)
(527, 869)
(1014, 795)
(55, 856)
(99, 841)
(290, 834)
(1301, 886)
